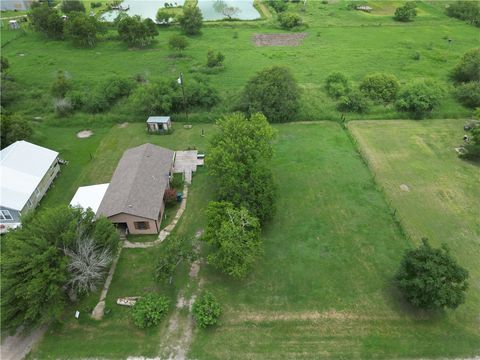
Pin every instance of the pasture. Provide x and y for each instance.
(338, 39)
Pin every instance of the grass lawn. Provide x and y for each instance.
(338, 39)
(442, 203)
(323, 288)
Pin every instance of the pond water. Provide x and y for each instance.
(149, 8)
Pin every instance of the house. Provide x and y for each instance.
(26, 172)
(159, 124)
(89, 197)
(18, 5)
(134, 200)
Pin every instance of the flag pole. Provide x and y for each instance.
(184, 99)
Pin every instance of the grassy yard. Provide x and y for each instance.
(338, 39)
(442, 201)
(323, 288)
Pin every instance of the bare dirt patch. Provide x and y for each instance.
(278, 39)
(404, 187)
(84, 134)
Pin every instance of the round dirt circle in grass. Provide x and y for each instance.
(84, 134)
(404, 187)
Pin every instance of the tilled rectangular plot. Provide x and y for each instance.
(278, 39)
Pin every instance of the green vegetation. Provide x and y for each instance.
(465, 10)
(431, 279)
(420, 97)
(289, 20)
(136, 31)
(191, 20)
(149, 310)
(206, 310)
(406, 12)
(13, 128)
(468, 68)
(380, 87)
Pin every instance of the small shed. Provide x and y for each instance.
(159, 124)
(14, 25)
(364, 8)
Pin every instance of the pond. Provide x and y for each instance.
(211, 9)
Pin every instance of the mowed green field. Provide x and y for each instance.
(443, 198)
(338, 39)
(324, 287)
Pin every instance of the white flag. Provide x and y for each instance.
(179, 80)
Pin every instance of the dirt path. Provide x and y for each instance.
(178, 335)
(16, 347)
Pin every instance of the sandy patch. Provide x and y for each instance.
(194, 269)
(278, 39)
(84, 134)
(123, 125)
(404, 187)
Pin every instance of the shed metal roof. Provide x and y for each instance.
(158, 119)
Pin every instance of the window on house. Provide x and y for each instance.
(142, 225)
(5, 215)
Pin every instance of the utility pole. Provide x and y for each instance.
(180, 80)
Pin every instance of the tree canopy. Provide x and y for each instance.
(83, 29)
(273, 92)
(192, 20)
(238, 159)
(468, 68)
(46, 20)
(136, 31)
(234, 236)
(406, 12)
(36, 263)
(69, 6)
(420, 97)
(13, 128)
(431, 278)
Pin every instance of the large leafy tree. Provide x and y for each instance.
(69, 6)
(175, 250)
(41, 262)
(238, 159)
(136, 31)
(46, 20)
(13, 128)
(468, 68)
(234, 237)
(191, 21)
(83, 29)
(431, 278)
(273, 92)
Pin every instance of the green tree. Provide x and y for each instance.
(149, 310)
(69, 6)
(35, 266)
(354, 101)
(83, 29)
(273, 92)
(61, 85)
(206, 310)
(234, 237)
(337, 85)
(214, 59)
(468, 69)
(289, 20)
(469, 94)
(192, 20)
(420, 97)
(46, 20)
(135, 31)
(465, 10)
(431, 278)
(177, 43)
(164, 15)
(239, 156)
(380, 87)
(472, 149)
(13, 128)
(406, 12)
(153, 98)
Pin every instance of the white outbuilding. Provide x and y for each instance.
(89, 196)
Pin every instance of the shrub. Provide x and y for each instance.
(136, 31)
(69, 6)
(46, 20)
(337, 85)
(148, 311)
(289, 20)
(199, 92)
(431, 278)
(94, 5)
(278, 5)
(273, 92)
(380, 87)
(62, 106)
(163, 16)
(206, 310)
(469, 94)
(4, 64)
(95, 102)
(13, 128)
(406, 12)
(420, 97)
(116, 88)
(468, 69)
(170, 196)
(465, 10)
(83, 29)
(191, 21)
(61, 85)
(214, 59)
(354, 101)
(177, 42)
(472, 149)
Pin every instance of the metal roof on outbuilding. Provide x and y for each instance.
(158, 119)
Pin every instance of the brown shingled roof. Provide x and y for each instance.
(139, 182)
